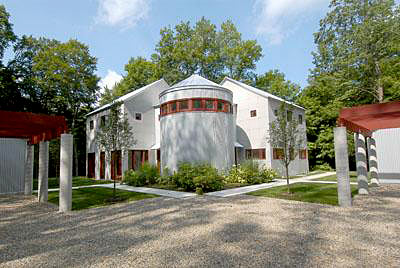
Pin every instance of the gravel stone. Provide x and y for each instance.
(204, 231)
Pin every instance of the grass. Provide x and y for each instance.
(97, 197)
(353, 177)
(305, 192)
(76, 181)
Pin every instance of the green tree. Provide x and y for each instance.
(65, 74)
(7, 36)
(139, 73)
(275, 83)
(185, 49)
(115, 133)
(284, 133)
(359, 43)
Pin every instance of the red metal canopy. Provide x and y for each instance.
(34, 127)
(367, 118)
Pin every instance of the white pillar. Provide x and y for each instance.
(66, 157)
(373, 161)
(29, 169)
(43, 171)
(342, 166)
(361, 163)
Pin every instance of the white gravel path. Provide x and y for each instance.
(204, 231)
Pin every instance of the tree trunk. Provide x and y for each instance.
(287, 178)
(379, 87)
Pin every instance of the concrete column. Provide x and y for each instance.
(66, 158)
(29, 169)
(361, 163)
(43, 171)
(373, 161)
(342, 166)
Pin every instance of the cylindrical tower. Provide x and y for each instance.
(197, 124)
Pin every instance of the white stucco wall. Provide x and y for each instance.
(388, 152)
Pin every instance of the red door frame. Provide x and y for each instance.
(102, 165)
(91, 165)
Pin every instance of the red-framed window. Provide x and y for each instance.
(255, 154)
(195, 104)
(303, 153)
(277, 153)
(253, 113)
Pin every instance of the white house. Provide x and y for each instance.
(195, 120)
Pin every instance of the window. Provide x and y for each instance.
(277, 153)
(91, 124)
(289, 115)
(255, 154)
(197, 104)
(183, 105)
(300, 119)
(173, 107)
(253, 113)
(103, 121)
(138, 116)
(276, 112)
(209, 104)
(303, 153)
(220, 106)
(163, 109)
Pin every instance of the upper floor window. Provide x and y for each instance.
(289, 115)
(209, 104)
(138, 116)
(300, 119)
(183, 105)
(220, 106)
(103, 120)
(195, 104)
(276, 112)
(253, 113)
(173, 107)
(91, 124)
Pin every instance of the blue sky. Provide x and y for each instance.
(116, 30)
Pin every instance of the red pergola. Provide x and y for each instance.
(34, 127)
(367, 118)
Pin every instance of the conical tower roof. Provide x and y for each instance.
(195, 80)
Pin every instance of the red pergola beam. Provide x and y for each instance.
(35, 127)
(367, 118)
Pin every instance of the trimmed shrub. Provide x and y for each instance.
(147, 174)
(250, 172)
(204, 176)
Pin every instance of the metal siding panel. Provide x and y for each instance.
(388, 150)
(12, 165)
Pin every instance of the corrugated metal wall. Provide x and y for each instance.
(388, 152)
(12, 165)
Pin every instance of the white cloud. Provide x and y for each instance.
(109, 80)
(124, 13)
(276, 19)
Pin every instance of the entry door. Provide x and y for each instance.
(116, 167)
(91, 165)
(102, 165)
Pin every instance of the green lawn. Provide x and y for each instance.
(353, 177)
(96, 197)
(76, 181)
(305, 192)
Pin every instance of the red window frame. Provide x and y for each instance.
(258, 154)
(253, 113)
(166, 108)
(277, 153)
(303, 153)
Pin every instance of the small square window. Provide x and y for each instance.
(183, 105)
(138, 116)
(276, 112)
(300, 119)
(253, 113)
(209, 104)
(91, 124)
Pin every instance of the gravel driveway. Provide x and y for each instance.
(204, 231)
